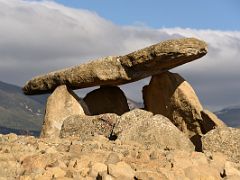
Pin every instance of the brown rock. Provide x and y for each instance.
(142, 127)
(129, 119)
(62, 103)
(225, 140)
(180, 159)
(112, 158)
(173, 175)
(107, 99)
(149, 175)
(121, 170)
(202, 172)
(233, 177)
(121, 69)
(170, 95)
(54, 172)
(85, 127)
(8, 137)
(210, 121)
(106, 176)
(37, 163)
(96, 169)
(232, 169)
(24, 178)
(93, 159)
(217, 160)
(9, 168)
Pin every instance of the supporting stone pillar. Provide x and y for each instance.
(170, 95)
(107, 99)
(61, 104)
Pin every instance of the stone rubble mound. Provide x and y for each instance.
(99, 137)
(27, 157)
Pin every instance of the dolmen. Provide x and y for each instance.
(171, 107)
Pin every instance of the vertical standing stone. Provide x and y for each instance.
(170, 95)
(62, 103)
(107, 99)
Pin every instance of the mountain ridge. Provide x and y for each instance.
(230, 115)
(18, 111)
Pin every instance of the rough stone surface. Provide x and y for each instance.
(142, 175)
(121, 170)
(121, 69)
(62, 103)
(232, 169)
(137, 125)
(85, 127)
(113, 158)
(26, 157)
(210, 121)
(96, 169)
(202, 172)
(170, 95)
(225, 140)
(142, 127)
(107, 99)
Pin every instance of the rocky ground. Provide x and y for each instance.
(27, 157)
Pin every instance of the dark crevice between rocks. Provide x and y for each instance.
(197, 142)
(112, 136)
(223, 174)
(99, 177)
(201, 122)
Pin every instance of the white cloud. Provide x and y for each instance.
(38, 37)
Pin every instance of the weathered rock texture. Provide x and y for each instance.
(121, 69)
(137, 125)
(85, 127)
(70, 158)
(62, 103)
(142, 127)
(106, 99)
(210, 121)
(170, 95)
(225, 140)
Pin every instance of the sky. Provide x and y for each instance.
(204, 14)
(41, 36)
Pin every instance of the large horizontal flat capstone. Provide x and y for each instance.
(119, 70)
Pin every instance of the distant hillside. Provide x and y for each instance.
(18, 111)
(230, 115)
(4, 130)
